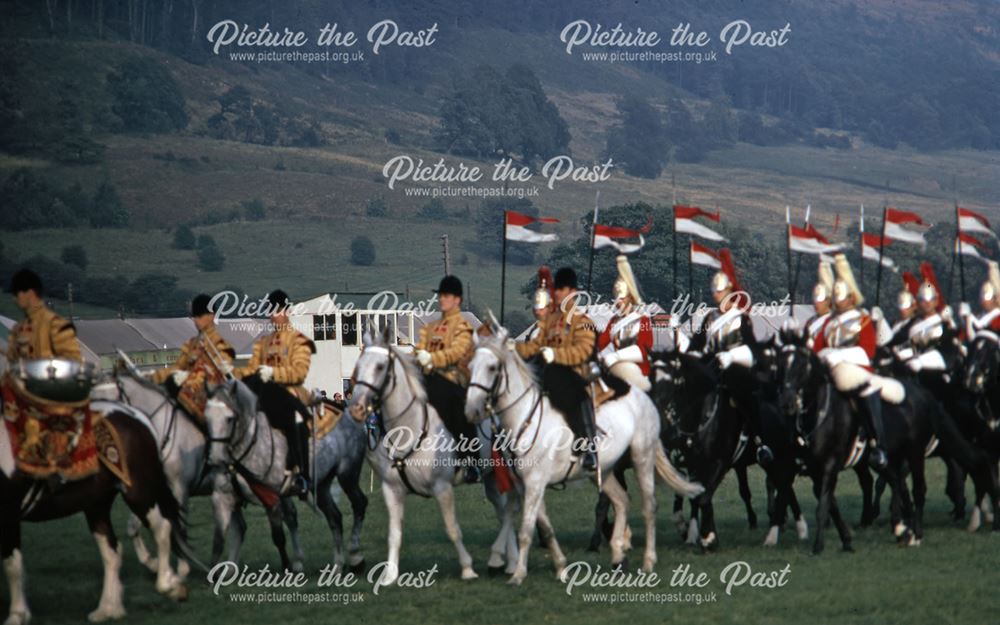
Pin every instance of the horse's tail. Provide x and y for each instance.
(672, 478)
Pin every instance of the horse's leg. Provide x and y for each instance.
(394, 501)
(880, 485)
(955, 487)
(680, 521)
(619, 501)
(291, 518)
(13, 561)
(335, 521)
(801, 525)
(823, 489)
(645, 473)
(531, 503)
(224, 507)
(777, 507)
(919, 495)
(446, 501)
(838, 521)
(549, 534)
(745, 494)
(351, 486)
(499, 550)
(868, 507)
(276, 520)
(600, 522)
(134, 532)
(902, 504)
(99, 522)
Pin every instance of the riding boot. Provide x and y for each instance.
(871, 408)
(589, 461)
(296, 460)
(302, 435)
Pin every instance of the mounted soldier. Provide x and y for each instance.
(822, 297)
(565, 344)
(846, 345)
(932, 337)
(989, 301)
(49, 435)
(443, 351)
(283, 356)
(205, 359)
(623, 346)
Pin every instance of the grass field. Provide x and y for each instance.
(951, 578)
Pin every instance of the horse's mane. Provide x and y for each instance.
(411, 371)
(498, 345)
(246, 399)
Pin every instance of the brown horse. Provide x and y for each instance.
(24, 498)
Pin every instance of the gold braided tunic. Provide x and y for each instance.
(449, 342)
(570, 334)
(289, 353)
(199, 361)
(43, 334)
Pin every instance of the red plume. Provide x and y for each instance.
(545, 277)
(728, 268)
(927, 271)
(911, 282)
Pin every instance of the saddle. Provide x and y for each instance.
(609, 387)
(327, 419)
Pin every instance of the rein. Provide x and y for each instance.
(494, 390)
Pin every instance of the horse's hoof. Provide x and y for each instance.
(178, 593)
(620, 567)
(515, 579)
(752, 522)
(848, 548)
(772, 537)
(469, 574)
(298, 566)
(100, 614)
(594, 546)
(357, 568)
(802, 528)
(494, 571)
(914, 541)
(18, 618)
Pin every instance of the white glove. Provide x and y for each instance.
(914, 364)
(265, 372)
(424, 358)
(831, 356)
(548, 354)
(877, 314)
(905, 353)
(227, 368)
(511, 344)
(725, 359)
(610, 359)
(179, 377)
(964, 310)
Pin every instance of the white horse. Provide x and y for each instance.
(540, 442)
(416, 455)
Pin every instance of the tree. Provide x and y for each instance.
(376, 207)
(74, 255)
(206, 240)
(254, 209)
(638, 143)
(362, 251)
(210, 258)
(184, 238)
(146, 97)
(106, 209)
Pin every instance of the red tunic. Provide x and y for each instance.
(866, 339)
(644, 339)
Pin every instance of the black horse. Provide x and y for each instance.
(832, 438)
(981, 380)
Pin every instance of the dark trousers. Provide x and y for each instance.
(568, 393)
(448, 399)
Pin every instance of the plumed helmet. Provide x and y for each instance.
(845, 286)
(929, 289)
(991, 288)
(823, 291)
(450, 285)
(625, 285)
(905, 300)
(543, 296)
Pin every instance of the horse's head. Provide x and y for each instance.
(373, 374)
(486, 372)
(796, 363)
(230, 408)
(982, 364)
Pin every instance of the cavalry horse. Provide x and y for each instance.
(503, 386)
(413, 452)
(981, 379)
(146, 492)
(248, 456)
(830, 433)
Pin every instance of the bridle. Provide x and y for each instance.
(501, 383)
(233, 420)
(171, 429)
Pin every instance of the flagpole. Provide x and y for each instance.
(798, 257)
(673, 208)
(593, 238)
(788, 251)
(862, 261)
(961, 257)
(878, 270)
(503, 269)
